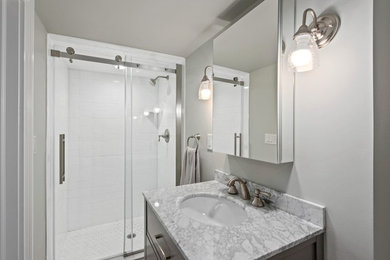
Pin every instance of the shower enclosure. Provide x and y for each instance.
(113, 131)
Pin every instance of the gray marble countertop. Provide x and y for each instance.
(267, 231)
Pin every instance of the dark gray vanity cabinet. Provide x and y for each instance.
(312, 249)
(159, 245)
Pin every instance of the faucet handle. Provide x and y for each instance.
(264, 194)
(258, 201)
(232, 189)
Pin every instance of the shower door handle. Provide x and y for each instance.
(62, 158)
(239, 144)
(237, 136)
(235, 143)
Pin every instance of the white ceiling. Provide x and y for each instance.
(174, 27)
(251, 43)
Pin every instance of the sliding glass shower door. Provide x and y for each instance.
(151, 112)
(109, 125)
(89, 125)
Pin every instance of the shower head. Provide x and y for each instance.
(154, 81)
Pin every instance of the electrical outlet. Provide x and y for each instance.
(270, 138)
(210, 142)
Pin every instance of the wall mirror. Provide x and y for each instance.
(253, 88)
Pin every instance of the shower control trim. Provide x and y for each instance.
(165, 136)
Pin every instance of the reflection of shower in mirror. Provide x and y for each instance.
(154, 81)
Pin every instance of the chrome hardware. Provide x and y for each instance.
(68, 55)
(71, 52)
(258, 201)
(165, 256)
(62, 158)
(323, 28)
(154, 81)
(118, 58)
(235, 81)
(237, 137)
(196, 137)
(244, 189)
(165, 136)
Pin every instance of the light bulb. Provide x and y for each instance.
(205, 90)
(205, 94)
(206, 85)
(146, 113)
(156, 110)
(120, 67)
(304, 56)
(301, 58)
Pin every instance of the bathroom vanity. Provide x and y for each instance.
(203, 221)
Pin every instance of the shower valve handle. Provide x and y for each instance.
(165, 136)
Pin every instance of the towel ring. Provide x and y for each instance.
(196, 137)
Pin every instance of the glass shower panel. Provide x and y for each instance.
(89, 104)
(151, 110)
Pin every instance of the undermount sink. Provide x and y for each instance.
(213, 210)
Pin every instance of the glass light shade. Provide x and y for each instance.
(304, 57)
(205, 90)
(120, 67)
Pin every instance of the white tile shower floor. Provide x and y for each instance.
(99, 242)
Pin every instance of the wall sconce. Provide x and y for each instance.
(206, 86)
(311, 38)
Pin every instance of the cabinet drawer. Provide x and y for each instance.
(150, 254)
(159, 238)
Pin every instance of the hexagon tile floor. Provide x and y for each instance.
(100, 242)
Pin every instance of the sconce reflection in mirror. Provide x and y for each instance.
(206, 85)
(309, 39)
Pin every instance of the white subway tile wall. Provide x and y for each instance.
(96, 148)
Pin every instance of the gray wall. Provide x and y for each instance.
(263, 112)
(197, 113)
(333, 132)
(11, 129)
(381, 129)
(39, 181)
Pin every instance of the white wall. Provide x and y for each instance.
(228, 117)
(95, 174)
(40, 140)
(333, 132)
(61, 94)
(166, 157)
(144, 141)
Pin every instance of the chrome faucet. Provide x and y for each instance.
(244, 189)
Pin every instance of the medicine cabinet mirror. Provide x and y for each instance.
(253, 88)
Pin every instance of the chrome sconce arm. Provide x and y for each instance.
(323, 28)
(310, 38)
